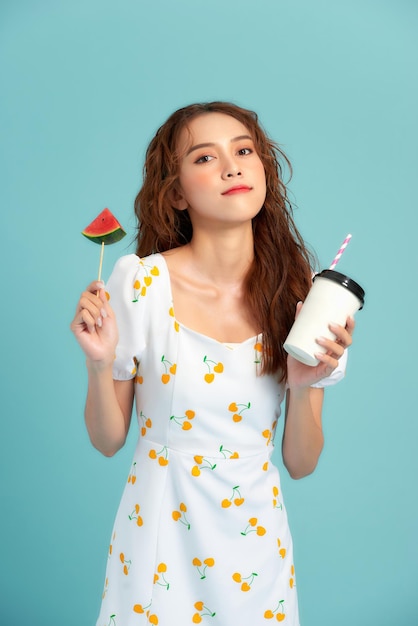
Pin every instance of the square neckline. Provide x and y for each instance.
(225, 344)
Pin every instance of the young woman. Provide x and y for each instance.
(197, 321)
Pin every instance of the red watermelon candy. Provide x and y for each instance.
(105, 229)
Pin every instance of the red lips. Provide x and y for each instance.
(236, 189)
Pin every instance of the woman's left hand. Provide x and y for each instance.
(300, 375)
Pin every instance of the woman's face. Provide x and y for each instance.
(222, 179)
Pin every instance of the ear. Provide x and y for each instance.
(177, 199)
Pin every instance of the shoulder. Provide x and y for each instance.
(135, 277)
(131, 265)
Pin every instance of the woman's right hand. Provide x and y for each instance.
(94, 326)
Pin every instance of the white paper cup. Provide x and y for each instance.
(332, 298)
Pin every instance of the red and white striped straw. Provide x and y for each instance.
(340, 252)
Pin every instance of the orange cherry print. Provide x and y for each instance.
(161, 455)
(246, 581)
(213, 368)
(237, 410)
(202, 611)
(132, 474)
(253, 526)
(202, 567)
(184, 420)
(258, 349)
(146, 423)
(203, 463)
(136, 516)
(176, 324)
(292, 577)
(228, 453)
(169, 369)
(235, 498)
(126, 563)
(278, 612)
(180, 516)
(159, 576)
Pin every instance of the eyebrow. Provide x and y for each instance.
(211, 145)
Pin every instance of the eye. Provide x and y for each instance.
(245, 151)
(204, 159)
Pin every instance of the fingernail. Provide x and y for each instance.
(103, 313)
(99, 322)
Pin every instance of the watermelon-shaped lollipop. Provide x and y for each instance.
(104, 230)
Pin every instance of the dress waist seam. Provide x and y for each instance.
(226, 453)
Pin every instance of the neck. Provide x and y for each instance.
(223, 258)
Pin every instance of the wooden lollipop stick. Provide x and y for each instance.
(101, 261)
(99, 277)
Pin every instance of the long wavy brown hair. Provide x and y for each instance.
(280, 274)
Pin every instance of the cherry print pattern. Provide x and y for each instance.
(202, 523)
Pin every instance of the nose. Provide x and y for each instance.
(231, 169)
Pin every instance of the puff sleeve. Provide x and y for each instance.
(122, 289)
(337, 375)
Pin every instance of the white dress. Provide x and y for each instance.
(201, 535)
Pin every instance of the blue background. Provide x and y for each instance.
(84, 85)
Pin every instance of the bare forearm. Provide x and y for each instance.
(105, 420)
(303, 438)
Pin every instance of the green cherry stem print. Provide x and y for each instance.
(276, 502)
(161, 455)
(278, 612)
(112, 620)
(213, 368)
(146, 423)
(184, 420)
(246, 581)
(132, 474)
(169, 367)
(126, 563)
(159, 576)
(236, 498)
(140, 290)
(139, 608)
(202, 463)
(253, 527)
(202, 567)
(180, 516)
(238, 410)
(151, 617)
(228, 454)
(258, 348)
(136, 516)
(202, 612)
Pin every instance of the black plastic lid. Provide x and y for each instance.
(344, 281)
